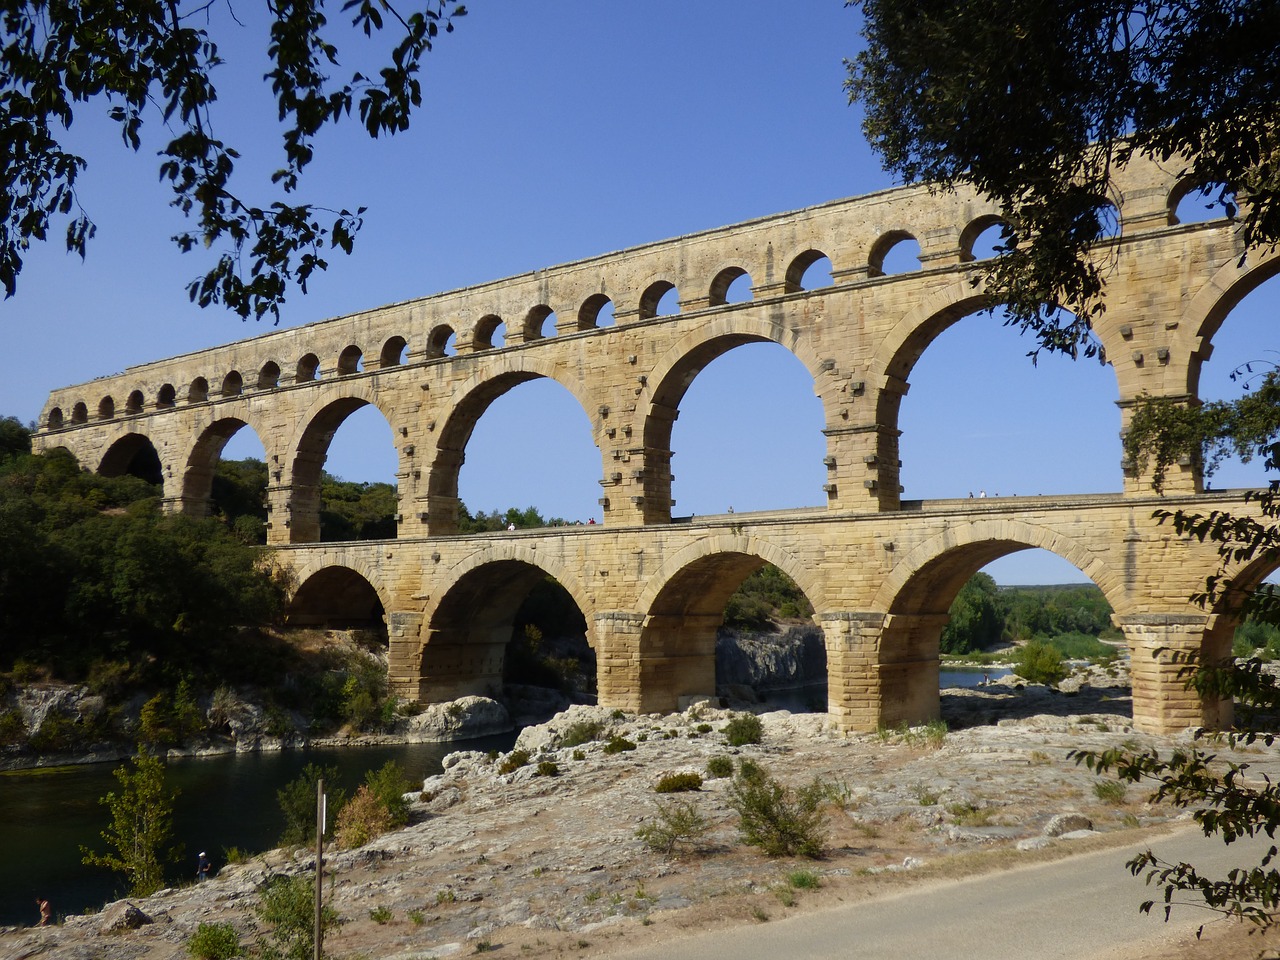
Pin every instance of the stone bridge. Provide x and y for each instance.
(880, 572)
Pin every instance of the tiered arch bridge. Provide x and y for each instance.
(880, 572)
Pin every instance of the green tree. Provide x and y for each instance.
(1037, 105)
(156, 62)
(297, 801)
(976, 617)
(287, 907)
(141, 826)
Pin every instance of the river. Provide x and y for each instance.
(47, 814)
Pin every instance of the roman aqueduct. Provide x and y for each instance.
(880, 571)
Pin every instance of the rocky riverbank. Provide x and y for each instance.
(540, 864)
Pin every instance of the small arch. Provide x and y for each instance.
(441, 342)
(657, 298)
(807, 270)
(167, 397)
(307, 369)
(134, 455)
(269, 376)
(539, 323)
(198, 392)
(337, 598)
(55, 419)
(983, 238)
(135, 402)
(106, 408)
(892, 253)
(80, 413)
(350, 360)
(730, 285)
(487, 334)
(393, 353)
(1194, 201)
(596, 311)
(232, 384)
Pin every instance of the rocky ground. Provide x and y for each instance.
(541, 865)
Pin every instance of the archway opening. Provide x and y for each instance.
(338, 598)
(133, 455)
(359, 492)
(1242, 354)
(228, 470)
(1202, 203)
(508, 631)
(982, 420)
(749, 433)
(519, 443)
(344, 476)
(895, 252)
(733, 627)
(962, 645)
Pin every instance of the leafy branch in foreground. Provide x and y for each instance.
(1038, 105)
(1224, 798)
(136, 59)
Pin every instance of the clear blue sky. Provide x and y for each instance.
(558, 131)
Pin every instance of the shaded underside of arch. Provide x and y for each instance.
(336, 598)
(134, 455)
(466, 636)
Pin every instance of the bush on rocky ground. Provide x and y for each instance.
(782, 821)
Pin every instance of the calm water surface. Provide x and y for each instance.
(229, 801)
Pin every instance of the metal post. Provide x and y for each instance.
(320, 811)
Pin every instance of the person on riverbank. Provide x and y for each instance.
(203, 867)
(46, 911)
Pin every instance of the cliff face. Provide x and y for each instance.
(791, 657)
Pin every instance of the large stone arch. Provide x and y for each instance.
(325, 594)
(203, 452)
(1209, 308)
(308, 448)
(466, 406)
(671, 376)
(462, 650)
(911, 608)
(134, 453)
(441, 581)
(985, 540)
(683, 607)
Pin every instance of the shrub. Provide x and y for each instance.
(678, 822)
(584, 731)
(389, 785)
(743, 729)
(1110, 791)
(679, 783)
(297, 800)
(12, 729)
(618, 744)
(514, 761)
(778, 819)
(720, 766)
(579, 755)
(215, 941)
(1039, 662)
(380, 914)
(287, 907)
(361, 819)
(548, 769)
(804, 880)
